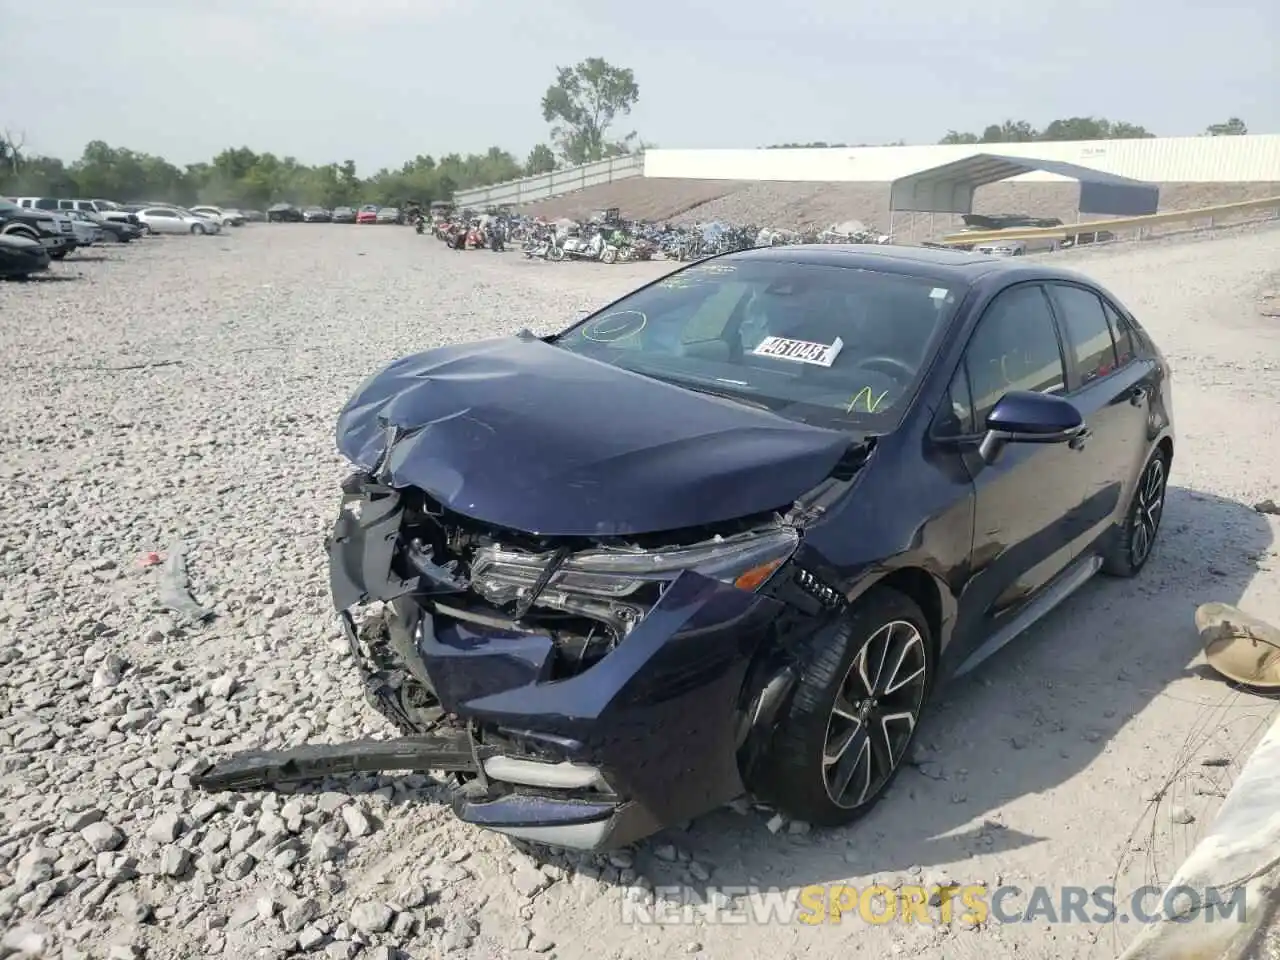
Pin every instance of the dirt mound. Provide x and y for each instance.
(803, 205)
(637, 197)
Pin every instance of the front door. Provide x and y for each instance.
(1026, 519)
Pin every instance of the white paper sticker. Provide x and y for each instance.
(938, 293)
(801, 351)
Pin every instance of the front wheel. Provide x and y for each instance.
(1132, 549)
(58, 254)
(197, 230)
(853, 717)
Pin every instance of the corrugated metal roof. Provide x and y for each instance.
(949, 188)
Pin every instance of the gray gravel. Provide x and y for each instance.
(184, 392)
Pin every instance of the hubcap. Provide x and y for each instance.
(1148, 507)
(874, 714)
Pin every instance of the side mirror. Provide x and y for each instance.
(1023, 416)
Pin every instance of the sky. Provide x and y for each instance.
(381, 81)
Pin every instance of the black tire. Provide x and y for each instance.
(1133, 547)
(58, 254)
(795, 774)
(18, 231)
(197, 230)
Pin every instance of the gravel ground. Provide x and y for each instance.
(187, 388)
(804, 205)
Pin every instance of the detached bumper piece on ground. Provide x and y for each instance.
(618, 577)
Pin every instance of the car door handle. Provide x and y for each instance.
(1080, 439)
(1138, 395)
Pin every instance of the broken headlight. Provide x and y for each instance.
(746, 561)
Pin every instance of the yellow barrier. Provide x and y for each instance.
(1112, 226)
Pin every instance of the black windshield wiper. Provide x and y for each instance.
(722, 394)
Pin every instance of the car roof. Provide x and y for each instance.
(940, 263)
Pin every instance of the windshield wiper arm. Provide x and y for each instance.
(722, 394)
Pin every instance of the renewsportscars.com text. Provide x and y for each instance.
(971, 904)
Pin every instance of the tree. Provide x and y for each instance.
(582, 105)
(1234, 127)
(239, 176)
(1011, 131)
(541, 160)
(11, 153)
(1093, 128)
(1069, 128)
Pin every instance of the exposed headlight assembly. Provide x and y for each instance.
(746, 561)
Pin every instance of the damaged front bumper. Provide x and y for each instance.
(645, 736)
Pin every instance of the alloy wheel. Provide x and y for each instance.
(1148, 508)
(874, 714)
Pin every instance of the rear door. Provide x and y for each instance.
(1111, 387)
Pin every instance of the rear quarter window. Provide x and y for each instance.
(1121, 332)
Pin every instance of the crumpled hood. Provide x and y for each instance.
(528, 436)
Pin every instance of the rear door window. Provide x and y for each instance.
(1086, 329)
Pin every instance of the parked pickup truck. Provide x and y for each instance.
(58, 238)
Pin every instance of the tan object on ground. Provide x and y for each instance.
(1239, 646)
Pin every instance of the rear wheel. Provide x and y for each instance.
(854, 714)
(1137, 539)
(58, 254)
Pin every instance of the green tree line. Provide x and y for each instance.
(1021, 131)
(580, 106)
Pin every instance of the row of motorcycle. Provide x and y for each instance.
(612, 240)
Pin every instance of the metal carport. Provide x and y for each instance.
(949, 188)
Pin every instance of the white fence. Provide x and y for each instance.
(1252, 158)
(547, 185)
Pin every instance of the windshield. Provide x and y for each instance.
(827, 345)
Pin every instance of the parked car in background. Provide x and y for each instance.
(368, 213)
(985, 223)
(226, 217)
(112, 210)
(316, 215)
(283, 213)
(387, 215)
(176, 220)
(118, 221)
(98, 209)
(85, 234)
(88, 232)
(107, 231)
(55, 234)
(344, 215)
(21, 256)
(255, 216)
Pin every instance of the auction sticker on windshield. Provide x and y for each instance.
(801, 351)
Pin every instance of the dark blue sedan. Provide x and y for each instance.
(727, 534)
